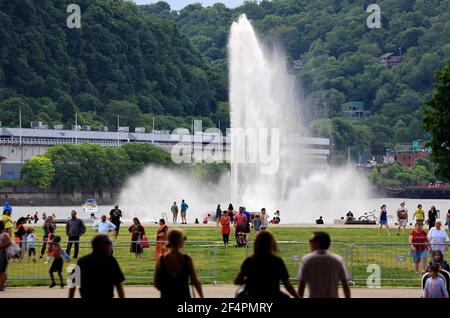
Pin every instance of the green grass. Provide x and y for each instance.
(394, 260)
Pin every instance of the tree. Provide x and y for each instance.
(436, 120)
(39, 172)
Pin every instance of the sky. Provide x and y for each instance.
(180, 4)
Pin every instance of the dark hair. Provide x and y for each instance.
(230, 207)
(225, 213)
(21, 220)
(323, 238)
(162, 221)
(383, 206)
(434, 267)
(56, 239)
(99, 241)
(419, 206)
(136, 219)
(265, 244)
(2, 226)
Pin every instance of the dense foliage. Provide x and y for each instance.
(120, 62)
(437, 119)
(340, 57)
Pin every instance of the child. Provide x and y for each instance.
(57, 265)
(49, 243)
(435, 285)
(257, 223)
(438, 259)
(31, 244)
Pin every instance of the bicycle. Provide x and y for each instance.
(369, 217)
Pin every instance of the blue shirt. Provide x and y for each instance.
(184, 206)
(31, 241)
(383, 216)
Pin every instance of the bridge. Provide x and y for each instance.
(20, 144)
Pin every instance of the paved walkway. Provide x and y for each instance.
(220, 291)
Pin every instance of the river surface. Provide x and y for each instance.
(322, 206)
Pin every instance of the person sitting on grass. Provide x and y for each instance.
(435, 286)
(58, 261)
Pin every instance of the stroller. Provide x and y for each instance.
(241, 236)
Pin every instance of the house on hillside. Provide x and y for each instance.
(390, 59)
(354, 110)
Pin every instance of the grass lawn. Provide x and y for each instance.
(205, 246)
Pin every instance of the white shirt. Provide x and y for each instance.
(104, 227)
(438, 237)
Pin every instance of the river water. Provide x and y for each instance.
(321, 209)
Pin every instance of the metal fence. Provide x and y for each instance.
(216, 263)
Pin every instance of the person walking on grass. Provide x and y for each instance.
(137, 232)
(114, 216)
(75, 228)
(161, 238)
(264, 219)
(419, 247)
(7, 221)
(432, 217)
(435, 286)
(99, 272)
(257, 223)
(104, 226)
(438, 237)
(218, 214)
(184, 208)
(49, 229)
(402, 218)
(5, 242)
(321, 270)
(58, 262)
(31, 244)
(174, 270)
(225, 229)
(174, 210)
(419, 214)
(383, 220)
(254, 271)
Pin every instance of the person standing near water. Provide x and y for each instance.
(218, 214)
(383, 220)
(114, 216)
(419, 214)
(225, 223)
(161, 238)
(264, 219)
(174, 210)
(184, 208)
(432, 216)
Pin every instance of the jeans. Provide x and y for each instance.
(73, 240)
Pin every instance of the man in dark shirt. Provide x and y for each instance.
(98, 272)
(114, 217)
(74, 229)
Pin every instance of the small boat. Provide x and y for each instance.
(90, 206)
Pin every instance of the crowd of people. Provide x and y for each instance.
(320, 270)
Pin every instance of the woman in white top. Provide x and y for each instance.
(438, 237)
(264, 219)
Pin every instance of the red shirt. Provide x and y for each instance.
(240, 218)
(225, 221)
(419, 237)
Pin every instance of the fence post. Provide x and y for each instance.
(351, 261)
(215, 265)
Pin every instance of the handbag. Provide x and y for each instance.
(144, 242)
(12, 250)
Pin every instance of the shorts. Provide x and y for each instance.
(383, 222)
(247, 228)
(31, 251)
(402, 223)
(57, 265)
(418, 255)
(117, 226)
(183, 214)
(420, 221)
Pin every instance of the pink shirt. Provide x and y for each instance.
(240, 218)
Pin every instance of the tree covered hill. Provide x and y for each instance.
(340, 57)
(120, 62)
